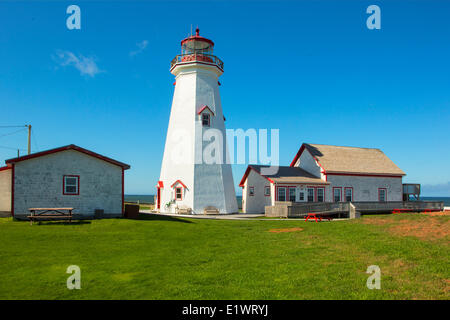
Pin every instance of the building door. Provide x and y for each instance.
(302, 195)
(158, 199)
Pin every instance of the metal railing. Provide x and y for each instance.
(197, 57)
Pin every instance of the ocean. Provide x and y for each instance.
(148, 198)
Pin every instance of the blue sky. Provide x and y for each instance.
(309, 68)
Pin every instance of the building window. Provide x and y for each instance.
(267, 191)
(382, 194)
(206, 119)
(281, 194)
(310, 194)
(251, 191)
(302, 196)
(71, 185)
(348, 194)
(337, 194)
(292, 194)
(320, 194)
(179, 193)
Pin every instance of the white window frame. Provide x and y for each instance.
(76, 185)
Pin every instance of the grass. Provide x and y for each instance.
(172, 258)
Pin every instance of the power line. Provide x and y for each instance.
(12, 126)
(10, 148)
(11, 133)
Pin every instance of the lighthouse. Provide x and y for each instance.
(195, 176)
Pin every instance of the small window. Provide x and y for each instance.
(382, 194)
(206, 119)
(281, 194)
(337, 194)
(251, 191)
(267, 191)
(302, 196)
(320, 194)
(310, 194)
(292, 194)
(348, 194)
(71, 185)
(178, 193)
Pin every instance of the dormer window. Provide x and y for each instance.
(206, 119)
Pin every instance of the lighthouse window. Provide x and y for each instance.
(178, 194)
(206, 119)
(251, 191)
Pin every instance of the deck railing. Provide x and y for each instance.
(296, 209)
(197, 57)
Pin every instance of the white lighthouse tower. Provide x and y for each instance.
(188, 181)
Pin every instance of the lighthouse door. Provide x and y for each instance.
(158, 199)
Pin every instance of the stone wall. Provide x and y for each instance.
(39, 183)
(5, 190)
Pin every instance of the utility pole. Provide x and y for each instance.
(29, 138)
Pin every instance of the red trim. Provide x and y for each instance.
(345, 196)
(181, 193)
(123, 191)
(197, 38)
(175, 83)
(385, 194)
(160, 184)
(199, 62)
(69, 147)
(363, 175)
(205, 107)
(12, 189)
(5, 168)
(297, 156)
(78, 185)
(178, 181)
(315, 193)
(266, 195)
(158, 199)
(247, 172)
(340, 196)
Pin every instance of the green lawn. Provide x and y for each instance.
(169, 258)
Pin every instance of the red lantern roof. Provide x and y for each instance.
(198, 38)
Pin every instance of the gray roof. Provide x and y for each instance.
(353, 160)
(290, 175)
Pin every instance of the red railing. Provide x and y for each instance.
(193, 57)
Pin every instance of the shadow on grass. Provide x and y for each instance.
(58, 223)
(159, 217)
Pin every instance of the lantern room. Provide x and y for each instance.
(197, 44)
(197, 49)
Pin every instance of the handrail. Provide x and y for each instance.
(196, 57)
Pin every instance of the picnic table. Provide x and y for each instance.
(316, 216)
(50, 214)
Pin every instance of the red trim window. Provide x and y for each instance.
(281, 192)
(337, 194)
(382, 194)
(71, 185)
(320, 194)
(206, 119)
(267, 191)
(348, 192)
(251, 191)
(292, 194)
(178, 193)
(310, 194)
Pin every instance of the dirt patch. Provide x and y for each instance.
(439, 213)
(377, 221)
(425, 230)
(431, 229)
(285, 230)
